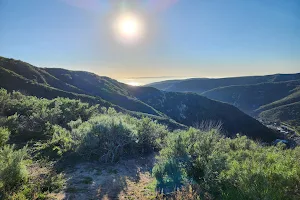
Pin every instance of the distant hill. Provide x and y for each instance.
(248, 98)
(292, 98)
(251, 94)
(286, 110)
(187, 109)
(163, 85)
(289, 114)
(200, 85)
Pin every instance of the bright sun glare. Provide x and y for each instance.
(129, 28)
(133, 83)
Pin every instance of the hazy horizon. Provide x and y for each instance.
(144, 80)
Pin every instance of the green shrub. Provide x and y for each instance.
(228, 168)
(75, 124)
(150, 135)
(12, 123)
(60, 143)
(54, 183)
(29, 117)
(107, 137)
(38, 187)
(13, 172)
(4, 136)
(260, 172)
(4, 100)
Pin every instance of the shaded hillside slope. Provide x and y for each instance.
(252, 94)
(14, 82)
(289, 114)
(91, 87)
(36, 74)
(250, 97)
(191, 109)
(292, 98)
(104, 87)
(187, 109)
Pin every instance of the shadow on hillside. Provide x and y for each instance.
(102, 181)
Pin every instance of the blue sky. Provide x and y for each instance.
(186, 38)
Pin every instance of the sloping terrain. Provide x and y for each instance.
(289, 114)
(250, 97)
(35, 74)
(14, 82)
(252, 94)
(188, 109)
(17, 68)
(292, 98)
(200, 85)
(104, 87)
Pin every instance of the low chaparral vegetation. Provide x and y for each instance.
(228, 168)
(39, 137)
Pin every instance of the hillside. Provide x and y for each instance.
(252, 94)
(12, 81)
(288, 114)
(292, 98)
(39, 90)
(200, 85)
(188, 109)
(163, 85)
(34, 75)
(250, 97)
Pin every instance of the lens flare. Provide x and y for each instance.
(133, 83)
(129, 28)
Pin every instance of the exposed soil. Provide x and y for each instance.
(128, 179)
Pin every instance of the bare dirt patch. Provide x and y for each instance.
(128, 179)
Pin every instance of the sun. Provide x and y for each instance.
(129, 28)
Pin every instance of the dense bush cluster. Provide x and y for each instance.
(194, 162)
(228, 168)
(106, 137)
(112, 135)
(61, 127)
(13, 171)
(30, 117)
